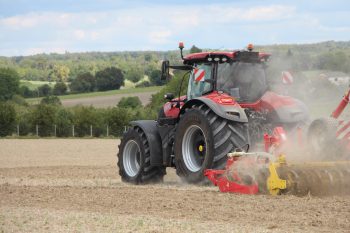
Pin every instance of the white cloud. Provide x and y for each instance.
(159, 36)
(213, 25)
(269, 13)
(18, 22)
(79, 34)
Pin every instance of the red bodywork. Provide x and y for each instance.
(231, 55)
(218, 178)
(269, 101)
(171, 110)
(339, 110)
(343, 131)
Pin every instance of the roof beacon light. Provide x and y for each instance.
(250, 47)
(181, 45)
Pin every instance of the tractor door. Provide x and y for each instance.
(200, 81)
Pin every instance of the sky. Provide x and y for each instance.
(30, 27)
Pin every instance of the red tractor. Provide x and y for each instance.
(228, 107)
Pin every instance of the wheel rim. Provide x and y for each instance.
(131, 158)
(194, 148)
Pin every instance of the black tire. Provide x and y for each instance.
(134, 159)
(322, 139)
(220, 136)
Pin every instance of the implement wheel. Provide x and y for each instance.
(322, 139)
(134, 159)
(203, 140)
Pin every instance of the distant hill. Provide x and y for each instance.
(329, 55)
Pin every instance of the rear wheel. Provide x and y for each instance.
(203, 140)
(322, 139)
(134, 159)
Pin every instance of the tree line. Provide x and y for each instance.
(50, 118)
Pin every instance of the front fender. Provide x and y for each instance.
(230, 112)
(149, 127)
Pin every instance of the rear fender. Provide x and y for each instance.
(229, 112)
(149, 127)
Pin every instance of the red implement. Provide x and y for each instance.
(218, 179)
(229, 179)
(338, 111)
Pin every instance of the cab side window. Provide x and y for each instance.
(198, 85)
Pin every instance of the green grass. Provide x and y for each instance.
(103, 93)
(33, 85)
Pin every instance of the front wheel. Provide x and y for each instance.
(134, 159)
(202, 141)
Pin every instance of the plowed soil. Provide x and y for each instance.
(72, 185)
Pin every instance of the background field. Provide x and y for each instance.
(104, 99)
(72, 185)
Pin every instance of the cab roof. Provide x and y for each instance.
(234, 55)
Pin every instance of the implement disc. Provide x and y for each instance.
(318, 179)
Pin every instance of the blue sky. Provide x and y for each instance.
(43, 26)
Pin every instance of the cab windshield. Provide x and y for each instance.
(244, 81)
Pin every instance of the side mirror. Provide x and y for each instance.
(165, 70)
(169, 96)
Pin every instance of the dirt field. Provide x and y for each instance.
(59, 185)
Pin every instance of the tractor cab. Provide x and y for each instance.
(245, 79)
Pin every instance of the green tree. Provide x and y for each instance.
(84, 117)
(195, 49)
(130, 102)
(51, 100)
(155, 78)
(148, 57)
(45, 90)
(23, 119)
(64, 121)
(9, 83)
(19, 100)
(60, 88)
(7, 119)
(44, 117)
(26, 92)
(117, 119)
(60, 73)
(84, 82)
(110, 78)
(134, 75)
